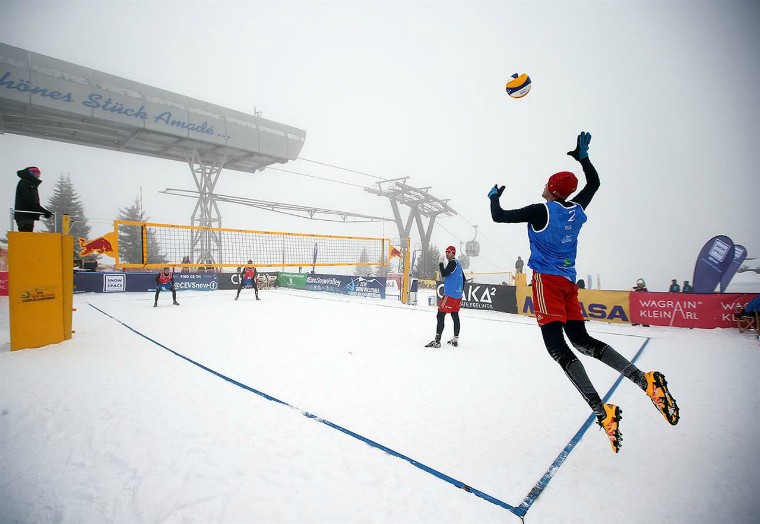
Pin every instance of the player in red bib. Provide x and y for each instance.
(165, 282)
(248, 279)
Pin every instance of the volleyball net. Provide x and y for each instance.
(150, 245)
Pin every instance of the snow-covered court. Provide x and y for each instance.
(315, 408)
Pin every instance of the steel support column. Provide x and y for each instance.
(205, 246)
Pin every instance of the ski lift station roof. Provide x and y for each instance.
(43, 97)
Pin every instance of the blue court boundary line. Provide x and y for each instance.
(423, 467)
(520, 511)
(541, 485)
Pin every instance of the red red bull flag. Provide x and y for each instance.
(105, 245)
(393, 252)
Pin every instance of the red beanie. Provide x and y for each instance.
(562, 184)
(452, 249)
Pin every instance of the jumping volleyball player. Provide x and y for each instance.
(553, 230)
(248, 279)
(453, 288)
(165, 281)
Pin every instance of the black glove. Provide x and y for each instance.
(496, 191)
(581, 148)
(48, 214)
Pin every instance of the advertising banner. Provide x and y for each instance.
(229, 281)
(486, 296)
(713, 260)
(687, 310)
(393, 288)
(292, 280)
(606, 306)
(3, 272)
(194, 281)
(373, 287)
(740, 254)
(92, 282)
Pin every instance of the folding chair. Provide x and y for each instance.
(749, 321)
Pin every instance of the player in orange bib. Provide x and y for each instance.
(248, 279)
(165, 282)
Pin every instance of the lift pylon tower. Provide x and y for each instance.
(205, 171)
(420, 202)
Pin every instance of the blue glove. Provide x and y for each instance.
(581, 149)
(496, 191)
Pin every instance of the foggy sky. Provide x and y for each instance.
(393, 89)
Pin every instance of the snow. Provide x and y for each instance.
(112, 426)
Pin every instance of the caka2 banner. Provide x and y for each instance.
(740, 254)
(486, 296)
(713, 261)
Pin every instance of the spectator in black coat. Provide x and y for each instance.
(674, 287)
(27, 208)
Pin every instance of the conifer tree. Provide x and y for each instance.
(428, 263)
(131, 239)
(382, 271)
(65, 201)
(363, 271)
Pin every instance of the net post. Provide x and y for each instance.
(407, 266)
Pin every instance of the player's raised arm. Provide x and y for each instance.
(580, 153)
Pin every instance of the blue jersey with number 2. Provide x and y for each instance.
(553, 249)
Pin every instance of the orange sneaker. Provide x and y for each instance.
(610, 424)
(657, 390)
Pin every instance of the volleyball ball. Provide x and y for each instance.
(518, 85)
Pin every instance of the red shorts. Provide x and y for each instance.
(555, 299)
(449, 305)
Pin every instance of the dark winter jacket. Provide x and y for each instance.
(27, 197)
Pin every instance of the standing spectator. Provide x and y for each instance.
(248, 279)
(641, 286)
(687, 287)
(581, 284)
(553, 229)
(519, 266)
(27, 208)
(674, 287)
(186, 260)
(165, 282)
(453, 288)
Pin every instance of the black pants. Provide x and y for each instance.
(439, 327)
(242, 285)
(25, 225)
(158, 292)
(575, 330)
